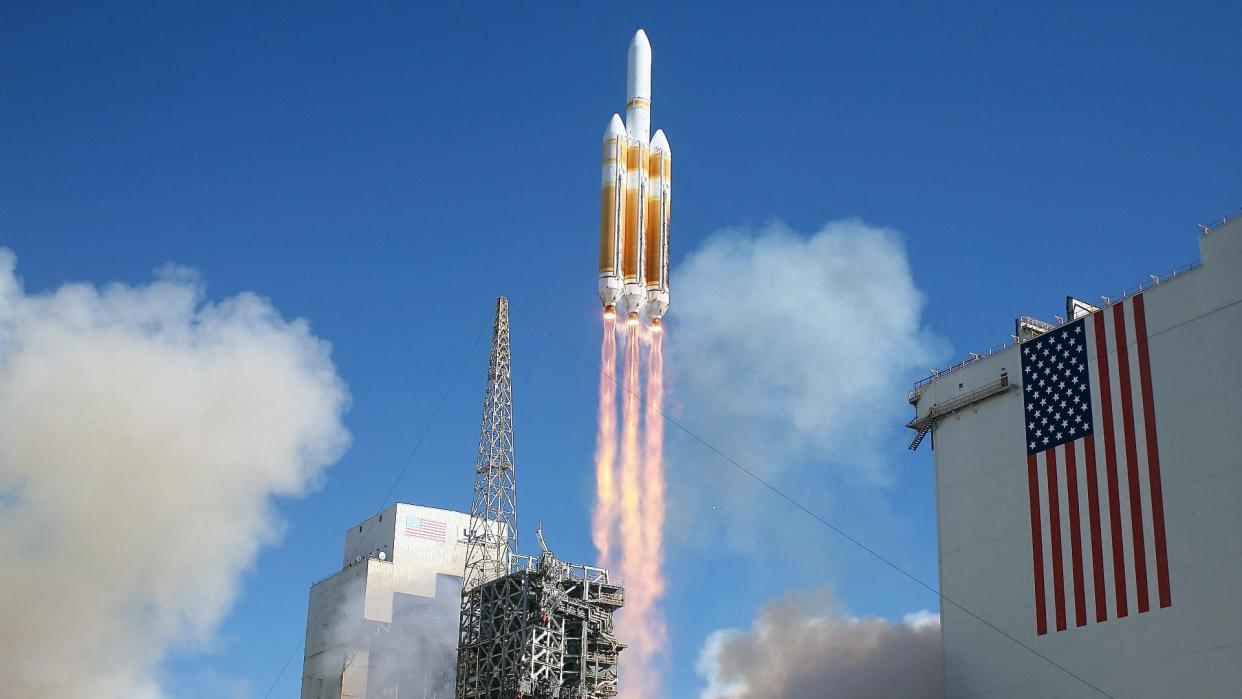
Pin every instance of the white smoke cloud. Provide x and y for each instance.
(413, 656)
(143, 435)
(804, 647)
(791, 351)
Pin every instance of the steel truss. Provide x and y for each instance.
(531, 627)
(549, 634)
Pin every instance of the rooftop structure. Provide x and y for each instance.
(1087, 494)
(384, 625)
(550, 633)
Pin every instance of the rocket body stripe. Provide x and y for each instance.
(612, 213)
(658, 206)
(635, 226)
(611, 206)
(607, 229)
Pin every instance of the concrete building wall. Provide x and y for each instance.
(1192, 648)
(376, 623)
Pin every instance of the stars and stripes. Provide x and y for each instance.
(1056, 388)
(1093, 470)
(423, 528)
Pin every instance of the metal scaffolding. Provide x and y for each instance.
(531, 627)
(554, 635)
(493, 535)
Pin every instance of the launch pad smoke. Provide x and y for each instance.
(143, 434)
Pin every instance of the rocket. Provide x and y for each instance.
(635, 195)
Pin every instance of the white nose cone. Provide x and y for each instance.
(616, 128)
(639, 75)
(638, 89)
(660, 142)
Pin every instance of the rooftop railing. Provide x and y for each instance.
(1152, 281)
(1226, 220)
(573, 571)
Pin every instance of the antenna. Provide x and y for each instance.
(543, 544)
(493, 535)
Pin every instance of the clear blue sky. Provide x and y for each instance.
(385, 170)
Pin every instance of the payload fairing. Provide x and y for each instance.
(635, 198)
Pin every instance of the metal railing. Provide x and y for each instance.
(1153, 280)
(1225, 220)
(573, 571)
(374, 555)
(974, 357)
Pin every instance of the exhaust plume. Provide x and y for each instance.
(651, 586)
(804, 647)
(630, 501)
(641, 621)
(143, 435)
(632, 525)
(604, 519)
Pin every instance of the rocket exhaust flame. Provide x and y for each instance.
(631, 471)
(649, 587)
(628, 523)
(633, 617)
(604, 521)
(653, 466)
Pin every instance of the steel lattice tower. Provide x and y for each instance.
(493, 536)
(531, 627)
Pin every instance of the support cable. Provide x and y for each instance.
(806, 510)
(397, 480)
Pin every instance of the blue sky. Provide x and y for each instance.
(386, 170)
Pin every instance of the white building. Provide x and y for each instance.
(1090, 499)
(386, 624)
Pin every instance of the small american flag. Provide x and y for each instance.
(423, 528)
(1093, 469)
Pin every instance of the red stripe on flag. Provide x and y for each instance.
(1071, 486)
(1097, 545)
(1132, 472)
(1054, 526)
(1037, 546)
(1110, 463)
(1153, 453)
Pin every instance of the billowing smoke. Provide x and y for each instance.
(414, 655)
(143, 435)
(791, 352)
(804, 647)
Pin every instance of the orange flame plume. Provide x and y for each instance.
(604, 521)
(653, 493)
(628, 522)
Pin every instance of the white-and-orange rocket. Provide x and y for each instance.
(635, 199)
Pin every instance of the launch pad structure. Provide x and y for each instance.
(532, 627)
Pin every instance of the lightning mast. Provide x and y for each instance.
(493, 535)
(492, 538)
(532, 627)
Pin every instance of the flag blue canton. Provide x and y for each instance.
(1056, 387)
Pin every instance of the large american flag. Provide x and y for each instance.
(1093, 470)
(423, 528)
